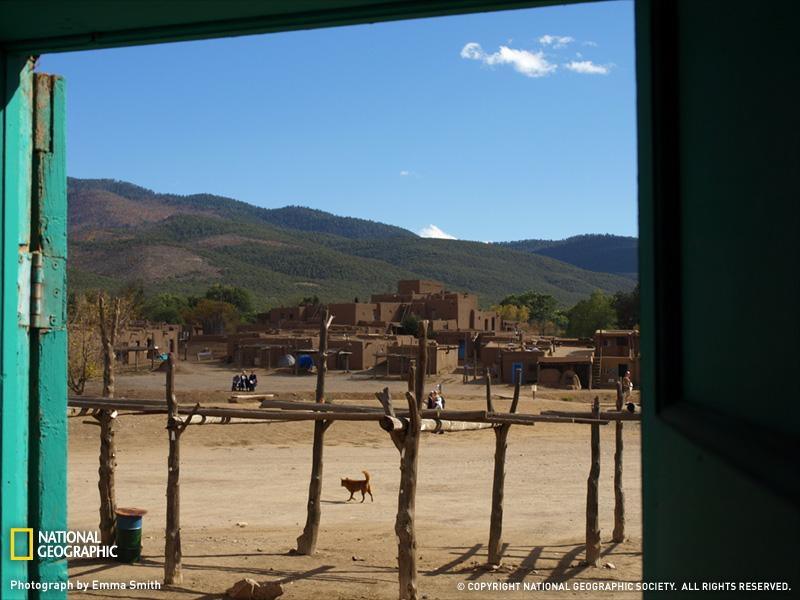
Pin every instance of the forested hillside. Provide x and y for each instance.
(602, 253)
(124, 234)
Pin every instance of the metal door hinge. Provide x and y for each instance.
(24, 288)
(48, 307)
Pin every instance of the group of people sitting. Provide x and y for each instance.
(244, 382)
(435, 399)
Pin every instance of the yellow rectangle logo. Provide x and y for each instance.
(14, 532)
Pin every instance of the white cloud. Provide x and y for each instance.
(556, 41)
(405, 173)
(530, 64)
(590, 43)
(587, 67)
(472, 51)
(432, 231)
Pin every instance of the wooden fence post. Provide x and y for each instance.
(592, 524)
(465, 358)
(404, 524)
(407, 443)
(475, 359)
(105, 483)
(422, 362)
(109, 323)
(108, 451)
(172, 545)
(498, 484)
(489, 403)
(307, 541)
(619, 494)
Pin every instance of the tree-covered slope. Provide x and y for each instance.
(121, 234)
(489, 269)
(122, 195)
(594, 252)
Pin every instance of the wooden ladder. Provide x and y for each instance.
(596, 373)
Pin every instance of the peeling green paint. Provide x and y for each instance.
(14, 346)
(48, 408)
(33, 353)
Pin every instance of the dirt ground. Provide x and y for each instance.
(244, 489)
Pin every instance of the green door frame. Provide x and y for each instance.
(15, 169)
(33, 397)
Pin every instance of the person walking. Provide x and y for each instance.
(627, 385)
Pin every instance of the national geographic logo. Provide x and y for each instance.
(28, 532)
(58, 544)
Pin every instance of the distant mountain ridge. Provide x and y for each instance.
(595, 252)
(292, 217)
(122, 233)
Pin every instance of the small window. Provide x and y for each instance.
(622, 341)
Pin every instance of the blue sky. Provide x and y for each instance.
(497, 126)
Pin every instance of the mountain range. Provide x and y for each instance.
(121, 233)
(594, 252)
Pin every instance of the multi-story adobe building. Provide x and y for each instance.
(422, 298)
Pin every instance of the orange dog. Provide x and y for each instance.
(358, 485)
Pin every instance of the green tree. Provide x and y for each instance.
(84, 360)
(587, 316)
(134, 295)
(560, 320)
(410, 324)
(626, 305)
(512, 312)
(214, 316)
(241, 298)
(166, 308)
(541, 307)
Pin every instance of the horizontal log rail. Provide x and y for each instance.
(318, 407)
(345, 413)
(80, 401)
(390, 424)
(608, 415)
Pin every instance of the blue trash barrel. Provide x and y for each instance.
(305, 361)
(129, 534)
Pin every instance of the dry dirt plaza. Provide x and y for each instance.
(244, 489)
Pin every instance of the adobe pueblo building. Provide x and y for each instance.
(368, 335)
(371, 336)
(385, 312)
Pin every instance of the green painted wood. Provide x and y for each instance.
(66, 26)
(14, 345)
(48, 410)
(646, 260)
(716, 461)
